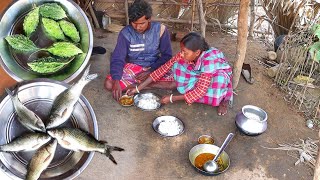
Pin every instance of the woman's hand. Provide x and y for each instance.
(131, 91)
(165, 100)
(143, 76)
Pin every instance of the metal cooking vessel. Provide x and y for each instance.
(208, 148)
(38, 95)
(252, 120)
(8, 22)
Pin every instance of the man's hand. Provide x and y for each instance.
(165, 100)
(143, 76)
(116, 90)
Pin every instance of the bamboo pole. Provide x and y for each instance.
(203, 21)
(126, 9)
(93, 15)
(242, 41)
(252, 17)
(193, 11)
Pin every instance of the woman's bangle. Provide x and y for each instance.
(171, 98)
(137, 89)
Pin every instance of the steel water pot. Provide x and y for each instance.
(252, 120)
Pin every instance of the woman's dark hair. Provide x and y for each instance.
(138, 9)
(194, 41)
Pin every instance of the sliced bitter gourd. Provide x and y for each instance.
(70, 30)
(47, 65)
(52, 29)
(64, 49)
(53, 11)
(31, 21)
(21, 43)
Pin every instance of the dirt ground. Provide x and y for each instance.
(149, 156)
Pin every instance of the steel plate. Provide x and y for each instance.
(38, 96)
(11, 23)
(163, 119)
(147, 95)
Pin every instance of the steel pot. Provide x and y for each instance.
(252, 120)
(9, 23)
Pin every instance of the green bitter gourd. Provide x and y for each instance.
(21, 43)
(53, 11)
(70, 30)
(31, 21)
(52, 29)
(64, 49)
(47, 65)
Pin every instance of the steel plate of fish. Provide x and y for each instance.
(38, 96)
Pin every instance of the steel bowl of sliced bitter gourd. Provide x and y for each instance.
(45, 39)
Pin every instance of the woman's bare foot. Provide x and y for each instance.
(223, 108)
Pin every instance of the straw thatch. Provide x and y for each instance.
(179, 11)
(299, 74)
(282, 14)
(221, 12)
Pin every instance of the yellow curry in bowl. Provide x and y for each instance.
(201, 159)
(126, 100)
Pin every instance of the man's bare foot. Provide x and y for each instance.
(223, 108)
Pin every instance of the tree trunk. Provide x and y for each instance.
(317, 166)
(242, 40)
(193, 10)
(203, 21)
(252, 17)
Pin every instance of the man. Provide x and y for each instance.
(141, 48)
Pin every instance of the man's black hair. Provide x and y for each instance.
(194, 41)
(138, 9)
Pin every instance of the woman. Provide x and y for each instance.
(201, 75)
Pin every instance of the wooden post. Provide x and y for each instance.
(252, 17)
(242, 40)
(316, 175)
(193, 10)
(126, 9)
(93, 15)
(202, 19)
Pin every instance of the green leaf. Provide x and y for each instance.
(315, 51)
(64, 49)
(53, 11)
(316, 30)
(31, 21)
(21, 43)
(47, 65)
(70, 30)
(52, 29)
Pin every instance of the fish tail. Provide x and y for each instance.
(109, 149)
(86, 77)
(14, 92)
(10, 93)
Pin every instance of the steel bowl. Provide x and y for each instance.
(252, 120)
(12, 19)
(208, 148)
(175, 124)
(145, 96)
(205, 139)
(38, 96)
(126, 100)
